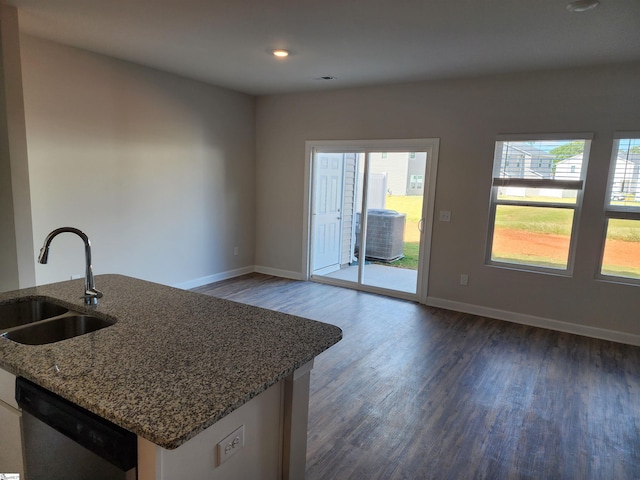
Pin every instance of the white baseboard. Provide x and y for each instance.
(533, 321)
(217, 277)
(276, 272)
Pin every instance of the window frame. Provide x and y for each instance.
(620, 212)
(578, 185)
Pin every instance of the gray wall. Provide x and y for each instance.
(16, 244)
(466, 115)
(157, 169)
(8, 255)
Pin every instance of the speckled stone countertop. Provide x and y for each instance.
(173, 364)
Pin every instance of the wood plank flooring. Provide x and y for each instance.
(413, 392)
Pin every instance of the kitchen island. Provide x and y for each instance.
(183, 370)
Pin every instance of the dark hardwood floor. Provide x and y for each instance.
(413, 392)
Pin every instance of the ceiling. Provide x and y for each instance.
(359, 42)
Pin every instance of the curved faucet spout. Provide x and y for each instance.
(91, 295)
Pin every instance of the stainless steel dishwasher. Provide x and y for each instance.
(63, 441)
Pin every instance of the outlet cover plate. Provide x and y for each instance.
(230, 445)
(445, 216)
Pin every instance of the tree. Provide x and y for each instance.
(567, 150)
(635, 149)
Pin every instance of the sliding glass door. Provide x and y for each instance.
(367, 215)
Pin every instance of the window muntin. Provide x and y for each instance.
(621, 246)
(535, 200)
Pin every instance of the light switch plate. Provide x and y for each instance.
(230, 445)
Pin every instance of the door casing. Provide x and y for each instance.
(431, 146)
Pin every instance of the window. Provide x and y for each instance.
(535, 207)
(416, 182)
(621, 249)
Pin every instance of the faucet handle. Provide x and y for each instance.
(91, 296)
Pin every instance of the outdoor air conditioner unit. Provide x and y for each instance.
(385, 235)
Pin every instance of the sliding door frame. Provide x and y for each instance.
(429, 145)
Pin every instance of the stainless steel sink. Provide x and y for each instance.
(57, 329)
(27, 311)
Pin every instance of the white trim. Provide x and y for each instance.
(533, 321)
(306, 211)
(365, 146)
(507, 137)
(428, 213)
(579, 186)
(276, 272)
(619, 212)
(327, 270)
(363, 287)
(216, 277)
(429, 145)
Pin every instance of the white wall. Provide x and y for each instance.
(466, 115)
(157, 169)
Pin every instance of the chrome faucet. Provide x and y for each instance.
(91, 295)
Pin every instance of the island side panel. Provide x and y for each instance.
(260, 457)
(296, 419)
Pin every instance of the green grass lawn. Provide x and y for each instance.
(558, 220)
(411, 205)
(535, 219)
(627, 230)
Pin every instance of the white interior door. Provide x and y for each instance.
(327, 216)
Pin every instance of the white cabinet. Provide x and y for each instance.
(259, 458)
(11, 459)
(275, 440)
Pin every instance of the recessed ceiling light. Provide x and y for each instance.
(580, 6)
(281, 53)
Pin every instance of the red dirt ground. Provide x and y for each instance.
(516, 242)
(555, 247)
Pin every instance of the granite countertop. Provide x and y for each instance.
(175, 362)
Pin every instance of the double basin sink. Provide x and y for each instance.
(40, 321)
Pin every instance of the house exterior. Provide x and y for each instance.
(520, 160)
(404, 171)
(569, 168)
(626, 181)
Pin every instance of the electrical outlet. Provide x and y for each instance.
(230, 445)
(445, 216)
(464, 279)
(235, 250)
